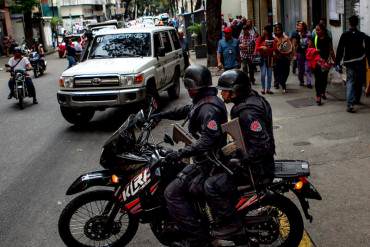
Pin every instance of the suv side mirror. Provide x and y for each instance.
(161, 52)
(168, 139)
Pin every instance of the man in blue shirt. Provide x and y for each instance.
(228, 54)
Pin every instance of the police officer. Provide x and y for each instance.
(255, 118)
(205, 115)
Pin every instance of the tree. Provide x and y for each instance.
(25, 7)
(213, 17)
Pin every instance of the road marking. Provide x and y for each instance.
(306, 240)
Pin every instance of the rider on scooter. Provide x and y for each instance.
(20, 62)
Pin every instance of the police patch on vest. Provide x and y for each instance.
(256, 126)
(212, 125)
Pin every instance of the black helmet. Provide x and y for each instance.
(236, 81)
(17, 50)
(197, 77)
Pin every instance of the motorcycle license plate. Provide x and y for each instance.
(20, 87)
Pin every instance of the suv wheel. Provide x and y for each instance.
(174, 91)
(77, 116)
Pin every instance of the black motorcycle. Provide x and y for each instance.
(20, 88)
(38, 64)
(136, 176)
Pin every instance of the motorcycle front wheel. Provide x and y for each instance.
(82, 222)
(283, 226)
(20, 99)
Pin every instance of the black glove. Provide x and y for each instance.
(156, 117)
(173, 156)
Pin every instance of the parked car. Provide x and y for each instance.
(62, 45)
(120, 68)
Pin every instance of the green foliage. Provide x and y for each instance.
(55, 21)
(195, 28)
(23, 6)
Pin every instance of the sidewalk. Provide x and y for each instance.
(337, 145)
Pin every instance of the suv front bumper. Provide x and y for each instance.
(101, 98)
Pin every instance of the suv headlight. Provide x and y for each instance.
(66, 81)
(136, 80)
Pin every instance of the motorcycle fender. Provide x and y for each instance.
(85, 181)
(309, 191)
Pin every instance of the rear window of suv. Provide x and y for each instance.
(121, 45)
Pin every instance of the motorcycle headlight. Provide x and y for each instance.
(136, 80)
(66, 81)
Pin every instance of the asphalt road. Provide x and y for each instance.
(41, 155)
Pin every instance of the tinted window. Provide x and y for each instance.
(175, 40)
(166, 42)
(121, 45)
(157, 41)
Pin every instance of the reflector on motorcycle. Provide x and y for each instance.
(115, 179)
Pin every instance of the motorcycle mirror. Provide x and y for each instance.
(168, 139)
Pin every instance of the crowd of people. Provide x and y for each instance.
(310, 53)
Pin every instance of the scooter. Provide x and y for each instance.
(37, 64)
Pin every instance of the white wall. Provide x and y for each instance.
(365, 16)
(231, 7)
(47, 33)
(18, 30)
(71, 10)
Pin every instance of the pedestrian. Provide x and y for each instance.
(292, 36)
(324, 45)
(265, 47)
(247, 45)
(185, 47)
(282, 57)
(228, 54)
(300, 44)
(352, 48)
(70, 53)
(6, 45)
(322, 21)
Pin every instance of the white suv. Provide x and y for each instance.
(120, 67)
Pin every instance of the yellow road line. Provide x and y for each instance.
(306, 241)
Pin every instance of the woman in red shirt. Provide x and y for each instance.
(265, 47)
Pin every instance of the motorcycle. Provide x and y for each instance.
(20, 88)
(136, 176)
(37, 63)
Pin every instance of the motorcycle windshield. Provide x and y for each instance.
(130, 122)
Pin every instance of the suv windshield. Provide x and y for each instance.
(121, 45)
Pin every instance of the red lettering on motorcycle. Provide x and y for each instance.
(136, 184)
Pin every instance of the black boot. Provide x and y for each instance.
(35, 101)
(11, 95)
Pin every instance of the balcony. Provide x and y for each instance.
(82, 2)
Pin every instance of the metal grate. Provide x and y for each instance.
(91, 81)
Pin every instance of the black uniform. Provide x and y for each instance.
(205, 115)
(255, 118)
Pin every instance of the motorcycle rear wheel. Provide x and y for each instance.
(74, 230)
(285, 229)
